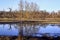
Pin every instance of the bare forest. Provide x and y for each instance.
(30, 11)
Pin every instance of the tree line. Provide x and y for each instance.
(29, 11)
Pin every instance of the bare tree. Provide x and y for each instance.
(21, 5)
(34, 7)
(27, 6)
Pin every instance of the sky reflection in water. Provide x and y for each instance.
(5, 30)
(50, 29)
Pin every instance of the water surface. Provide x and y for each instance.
(30, 30)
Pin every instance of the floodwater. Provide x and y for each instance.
(30, 30)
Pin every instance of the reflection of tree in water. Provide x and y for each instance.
(58, 25)
(28, 29)
(10, 26)
(52, 24)
(43, 25)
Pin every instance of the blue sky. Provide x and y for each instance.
(48, 5)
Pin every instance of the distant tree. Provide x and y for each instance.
(53, 14)
(21, 6)
(27, 9)
(27, 6)
(34, 7)
(58, 14)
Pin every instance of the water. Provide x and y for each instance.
(42, 30)
(50, 30)
(31, 30)
(6, 31)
